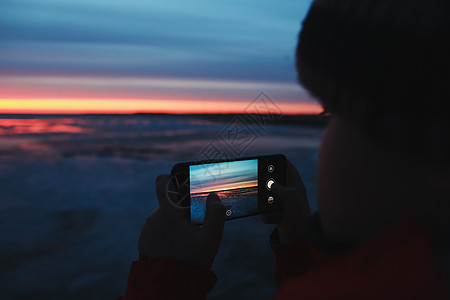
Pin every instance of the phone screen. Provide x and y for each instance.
(235, 182)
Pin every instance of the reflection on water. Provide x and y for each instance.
(137, 137)
(80, 186)
(241, 202)
(140, 137)
(24, 126)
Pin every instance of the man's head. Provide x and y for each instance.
(382, 69)
(384, 65)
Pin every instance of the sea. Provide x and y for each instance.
(75, 191)
(238, 203)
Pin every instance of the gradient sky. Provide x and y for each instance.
(173, 55)
(223, 176)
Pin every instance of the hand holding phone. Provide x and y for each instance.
(293, 219)
(244, 185)
(168, 233)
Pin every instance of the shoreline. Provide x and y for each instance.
(297, 119)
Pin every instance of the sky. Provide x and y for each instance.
(223, 176)
(178, 56)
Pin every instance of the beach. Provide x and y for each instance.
(75, 191)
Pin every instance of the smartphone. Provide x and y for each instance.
(242, 184)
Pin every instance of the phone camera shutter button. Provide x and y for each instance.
(269, 183)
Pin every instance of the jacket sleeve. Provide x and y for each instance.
(298, 259)
(399, 262)
(165, 278)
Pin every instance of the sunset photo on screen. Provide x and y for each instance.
(236, 184)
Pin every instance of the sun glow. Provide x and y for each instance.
(125, 95)
(231, 186)
(128, 106)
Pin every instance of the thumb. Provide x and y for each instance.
(287, 195)
(214, 217)
(284, 195)
(167, 196)
(295, 206)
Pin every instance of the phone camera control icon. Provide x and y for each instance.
(270, 168)
(270, 200)
(269, 183)
(228, 212)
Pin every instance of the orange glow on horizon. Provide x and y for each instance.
(231, 186)
(130, 106)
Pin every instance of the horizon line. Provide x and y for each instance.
(149, 113)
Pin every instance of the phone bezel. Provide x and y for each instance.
(180, 173)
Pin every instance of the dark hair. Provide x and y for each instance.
(384, 65)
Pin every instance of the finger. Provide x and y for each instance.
(287, 195)
(272, 217)
(292, 202)
(161, 184)
(214, 218)
(294, 179)
(167, 198)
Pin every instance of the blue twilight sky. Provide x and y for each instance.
(224, 41)
(223, 176)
